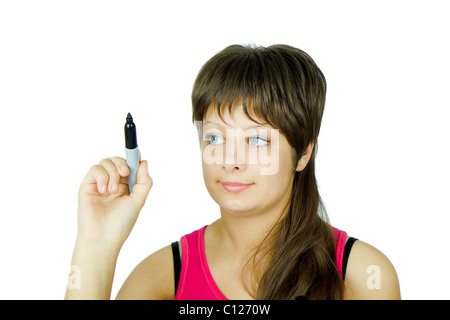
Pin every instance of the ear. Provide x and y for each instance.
(305, 157)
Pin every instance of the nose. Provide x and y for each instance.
(235, 155)
(232, 168)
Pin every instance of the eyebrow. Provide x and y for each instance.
(249, 127)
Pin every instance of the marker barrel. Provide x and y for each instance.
(132, 158)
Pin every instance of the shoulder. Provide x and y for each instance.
(370, 274)
(152, 279)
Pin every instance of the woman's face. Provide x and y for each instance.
(247, 167)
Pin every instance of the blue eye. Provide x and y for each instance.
(252, 141)
(214, 139)
(257, 141)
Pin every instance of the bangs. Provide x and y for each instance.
(278, 85)
(253, 113)
(237, 78)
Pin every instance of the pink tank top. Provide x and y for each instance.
(196, 281)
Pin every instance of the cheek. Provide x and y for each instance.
(208, 172)
(210, 182)
(282, 180)
(211, 177)
(276, 185)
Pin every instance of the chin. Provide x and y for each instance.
(237, 207)
(235, 203)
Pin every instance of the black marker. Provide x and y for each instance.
(131, 150)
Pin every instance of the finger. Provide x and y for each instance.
(113, 175)
(97, 176)
(143, 184)
(121, 166)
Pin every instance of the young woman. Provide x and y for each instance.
(258, 112)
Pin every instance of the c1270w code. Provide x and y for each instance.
(246, 309)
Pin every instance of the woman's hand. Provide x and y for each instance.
(106, 210)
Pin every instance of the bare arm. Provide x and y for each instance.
(106, 216)
(370, 275)
(152, 279)
(92, 272)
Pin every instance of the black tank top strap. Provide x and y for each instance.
(347, 249)
(176, 263)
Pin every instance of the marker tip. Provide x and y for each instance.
(129, 118)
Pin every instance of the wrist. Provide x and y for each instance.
(104, 248)
(98, 256)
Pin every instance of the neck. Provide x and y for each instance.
(241, 233)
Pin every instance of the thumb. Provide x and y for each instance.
(143, 184)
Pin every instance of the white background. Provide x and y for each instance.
(70, 71)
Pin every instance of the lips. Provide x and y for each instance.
(235, 186)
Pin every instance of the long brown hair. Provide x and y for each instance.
(282, 85)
